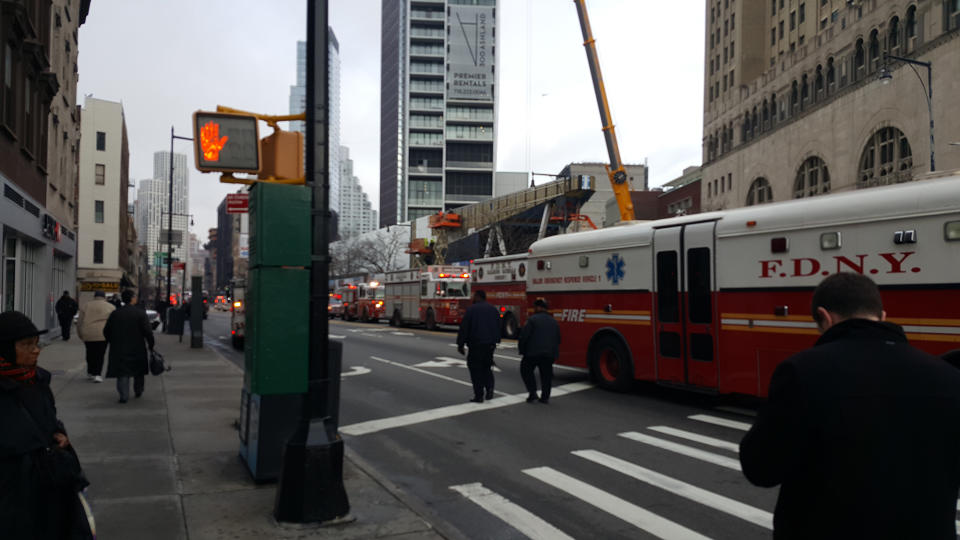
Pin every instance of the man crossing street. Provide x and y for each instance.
(480, 332)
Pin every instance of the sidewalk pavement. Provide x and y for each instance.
(166, 466)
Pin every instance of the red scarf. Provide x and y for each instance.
(17, 373)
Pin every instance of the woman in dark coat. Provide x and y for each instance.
(40, 474)
(128, 334)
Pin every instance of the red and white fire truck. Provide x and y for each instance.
(715, 301)
(428, 295)
(503, 279)
(366, 303)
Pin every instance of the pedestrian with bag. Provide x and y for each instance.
(861, 431)
(66, 308)
(40, 475)
(480, 332)
(539, 346)
(129, 335)
(90, 323)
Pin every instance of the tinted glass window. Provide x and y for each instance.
(698, 285)
(668, 308)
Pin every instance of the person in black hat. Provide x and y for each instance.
(539, 344)
(480, 332)
(66, 308)
(40, 474)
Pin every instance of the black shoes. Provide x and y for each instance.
(490, 394)
(137, 395)
(477, 400)
(121, 400)
(544, 400)
(531, 398)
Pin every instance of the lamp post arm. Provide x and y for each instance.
(929, 92)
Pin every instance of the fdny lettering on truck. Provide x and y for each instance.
(879, 263)
(572, 315)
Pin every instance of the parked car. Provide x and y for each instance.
(154, 318)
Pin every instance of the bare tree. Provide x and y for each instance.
(382, 251)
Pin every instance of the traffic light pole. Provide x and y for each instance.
(170, 214)
(311, 478)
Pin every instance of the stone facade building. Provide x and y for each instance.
(794, 104)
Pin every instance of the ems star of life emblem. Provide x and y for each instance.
(615, 268)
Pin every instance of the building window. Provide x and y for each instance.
(100, 173)
(886, 159)
(760, 192)
(858, 55)
(813, 178)
(894, 33)
(98, 252)
(803, 13)
(773, 7)
(793, 20)
(101, 141)
(874, 49)
(773, 38)
(911, 21)
(98, 211)
(780, 30)
(9, 101)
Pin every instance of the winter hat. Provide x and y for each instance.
(16, 326)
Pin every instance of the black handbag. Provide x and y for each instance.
(157, 365)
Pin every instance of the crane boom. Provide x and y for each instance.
(616, 172)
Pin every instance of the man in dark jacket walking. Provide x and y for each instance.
(66, 308)
(862, 431)
(540, 346)
(480, 332)
(127, 330)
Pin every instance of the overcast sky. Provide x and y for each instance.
(165, 59)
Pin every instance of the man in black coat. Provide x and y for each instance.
(480, 331)
(539, 345)
(66, 308)
(862, 431)
(127, 330)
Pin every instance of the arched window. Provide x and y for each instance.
(911, 29)
(766, 115)
(794, 96)
(773, 108)
(886, 159)
(804, 89)
(759, 192)
(858, 54)
(755, 120)
(831, 74)
(874, 49)
(818, 81)
(745, 127)
(894, 39)
(812, 178)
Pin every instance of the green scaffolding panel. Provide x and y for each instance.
(279, 225)
(277, 330)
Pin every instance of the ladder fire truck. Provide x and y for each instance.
(715, 301)
(429, 295)
(367, 302)
(503, 279)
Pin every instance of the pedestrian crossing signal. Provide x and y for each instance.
(226, 142)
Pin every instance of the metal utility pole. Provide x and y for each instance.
(170, 212)
(311, 479)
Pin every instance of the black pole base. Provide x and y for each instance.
(310, 488)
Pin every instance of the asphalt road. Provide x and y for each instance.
(216, 334)
(590, 464)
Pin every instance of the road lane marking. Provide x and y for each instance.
(638, 517)
(403, 333)
(742, 426)
(696, 437)
(381, 424)
(682, 449)
(683, 489)
(356, 370)
(448, 361)
(514, 515)
(336, 336)
(425, 372)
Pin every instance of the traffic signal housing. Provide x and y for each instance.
(226, 142)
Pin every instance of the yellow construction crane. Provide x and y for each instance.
(618, 176)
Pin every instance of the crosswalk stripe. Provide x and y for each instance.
(696, 437)
(742, 426)
(683, 489)
(514, 515)
(622, 509)
(688, 451)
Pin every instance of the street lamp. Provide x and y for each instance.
(170, 213)
(885, 78)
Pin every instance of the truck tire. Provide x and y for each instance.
(431, 322)
(396, 319)
(511, 329)
(610, 364)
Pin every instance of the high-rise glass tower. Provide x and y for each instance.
(298, 104)
(437, 105)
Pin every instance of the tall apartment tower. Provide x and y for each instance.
(357, 215)
(298, 104)
(103, 261)
(181, 206)
(437, 105)
(794, 100)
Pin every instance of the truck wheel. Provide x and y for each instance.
(610, 364)
(431, 322)
(511, 329)
(395, 320)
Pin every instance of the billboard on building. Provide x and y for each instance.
(471, 54)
